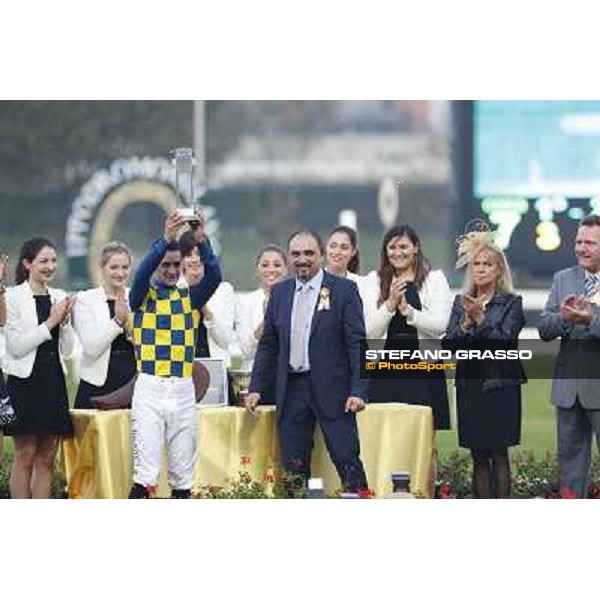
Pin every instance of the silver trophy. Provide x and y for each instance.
(183, 161)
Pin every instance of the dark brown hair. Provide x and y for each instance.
(354, 262)
(386, 271)
(29, 250)
(272, 248)
(590, 221)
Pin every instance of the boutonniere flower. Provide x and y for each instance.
(324, 303)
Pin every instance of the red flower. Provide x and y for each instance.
(445, 492)
(594, 491)
(566, 493)
(366, 494)
(245, 460)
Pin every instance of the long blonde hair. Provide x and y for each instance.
(470, 246)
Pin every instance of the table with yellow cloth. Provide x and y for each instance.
(98, 459)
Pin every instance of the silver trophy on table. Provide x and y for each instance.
(182, 162)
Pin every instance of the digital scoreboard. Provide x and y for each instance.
(532, 170)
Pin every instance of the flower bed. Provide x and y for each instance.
(532, 477)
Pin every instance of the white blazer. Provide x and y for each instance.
(2, 347)
(220, 329)
(96, 331)
(24, 335)
(430, 321)
(249, 313)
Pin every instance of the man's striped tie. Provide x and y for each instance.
(591, 284)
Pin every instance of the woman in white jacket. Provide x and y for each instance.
(413, 304)
(38, 333)
(101, 320)
(271, 267)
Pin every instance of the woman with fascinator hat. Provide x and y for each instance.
(488, 396)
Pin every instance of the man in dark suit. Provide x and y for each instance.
(572, 313)
(311, 349)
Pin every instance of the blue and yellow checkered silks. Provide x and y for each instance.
(164, 333)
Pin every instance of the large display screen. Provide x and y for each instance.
(535, 172)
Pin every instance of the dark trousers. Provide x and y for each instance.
(296, 424)
(575, 428)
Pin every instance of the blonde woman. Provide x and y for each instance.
(488, 402)
(101, 320)
(38, 333)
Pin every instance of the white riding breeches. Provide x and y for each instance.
(164, 410)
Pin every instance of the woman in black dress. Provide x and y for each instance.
(413, 305)
(101, 319)
(38, 333)
(488, 393)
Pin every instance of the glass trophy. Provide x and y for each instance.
(183, 161)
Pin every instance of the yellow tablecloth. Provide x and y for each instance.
(98, 459)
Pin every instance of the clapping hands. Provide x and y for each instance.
(60, 312)
(396, 298)
(473, 307)
(576, 310)
(122, 309)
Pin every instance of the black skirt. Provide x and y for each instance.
(40, 401)
(488, 420)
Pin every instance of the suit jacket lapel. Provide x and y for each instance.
(102, 300)
(580, 282)
(29, 311)
(288, 302)
(328, 282)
